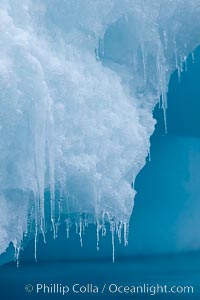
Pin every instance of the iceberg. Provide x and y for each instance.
(78, 84)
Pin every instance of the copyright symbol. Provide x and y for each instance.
(29, 288)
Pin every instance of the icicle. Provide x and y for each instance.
(35, 245)
(104, 230)
(56, 230)
(53, 226)
(164, 111)
(80, 231)
(52, 205)
(40, 148)
(113, 241)
(164, 94)
(29, 218)
(162, 84)
(193, 57)
(85, 222)
(176, 54)
(181, 65)
(126, 229)
(43, 234)
(144, 63)
(40, 200)
(36, 228)
(149, 155)
(158, 76)
(97, 232)
(179, 74)
(17, 252)
(103, 226)
(42, 224)
(60, 200)
(67, 227)
(185, 62)
(165, 39)
(51, 174)
(17, 256)
(59, 210)
(119, 231)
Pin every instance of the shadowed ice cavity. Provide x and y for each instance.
(168, 186)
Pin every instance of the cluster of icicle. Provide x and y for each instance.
(78, 83)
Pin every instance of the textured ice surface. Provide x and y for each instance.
(78, 83)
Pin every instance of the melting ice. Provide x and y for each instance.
(78, 84)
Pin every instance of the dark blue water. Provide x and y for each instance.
(164, 229)
(170, 270)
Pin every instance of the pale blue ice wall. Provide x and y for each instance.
(166, 214)
(167, 207)
(76, 111)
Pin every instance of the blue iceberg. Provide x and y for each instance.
(79, 82)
